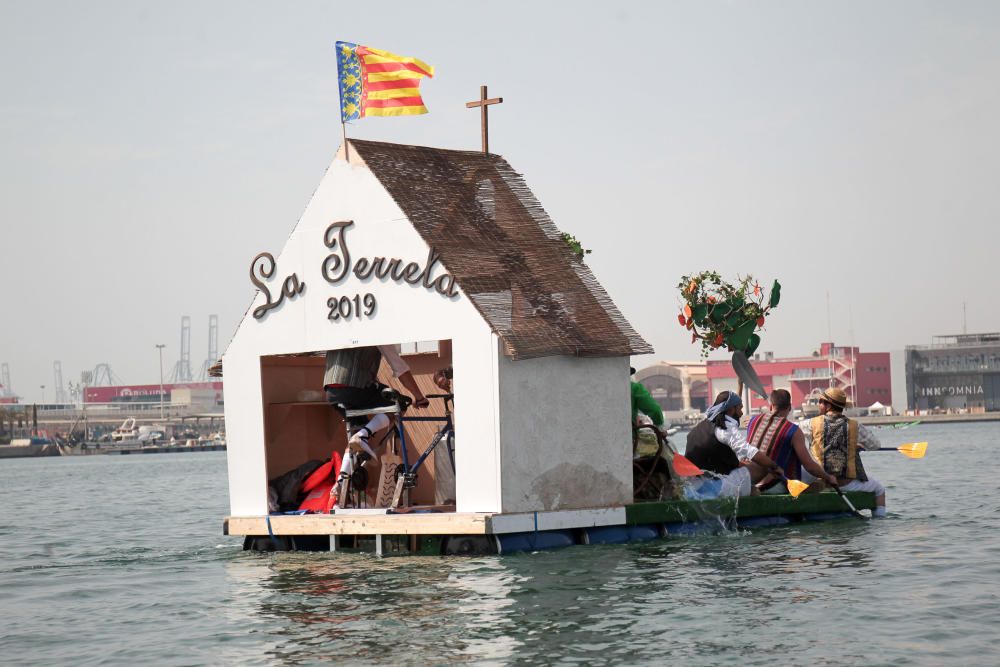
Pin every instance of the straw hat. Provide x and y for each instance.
(835, 397)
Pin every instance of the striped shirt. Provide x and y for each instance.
(773, 435)
(358, 366)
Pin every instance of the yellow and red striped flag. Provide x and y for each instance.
(374, 82)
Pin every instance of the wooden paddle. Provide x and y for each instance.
(913, 450)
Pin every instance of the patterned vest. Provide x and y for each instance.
(773, 436)
(835, 446)
(352, 367)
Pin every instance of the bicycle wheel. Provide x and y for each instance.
(451, 449)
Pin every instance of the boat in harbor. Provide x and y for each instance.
(530, 337)
(131, 435)
(32, 447)
(127, 431)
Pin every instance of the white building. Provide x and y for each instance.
(403, 244)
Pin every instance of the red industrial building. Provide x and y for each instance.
(864, 376)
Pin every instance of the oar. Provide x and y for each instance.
(747, 375)
(914, 450)
(795, 487)
(684, 468)
(854, 510)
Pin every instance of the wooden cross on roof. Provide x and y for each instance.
(483, 104)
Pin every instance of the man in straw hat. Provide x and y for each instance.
(836, 443)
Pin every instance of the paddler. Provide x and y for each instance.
(718, 446)
(783, 442)
(836, 441)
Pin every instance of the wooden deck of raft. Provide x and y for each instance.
(464, 523)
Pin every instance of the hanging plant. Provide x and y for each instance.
(722, 314)
(575, 246)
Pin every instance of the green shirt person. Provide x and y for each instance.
(642, 401)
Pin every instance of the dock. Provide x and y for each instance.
(962, 418)
(90, 449)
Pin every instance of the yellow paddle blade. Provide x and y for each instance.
(795, 487)
(915, 450)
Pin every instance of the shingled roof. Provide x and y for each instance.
(504, 251)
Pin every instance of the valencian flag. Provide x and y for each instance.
(378, 83)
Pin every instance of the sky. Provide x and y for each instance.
(848, 149)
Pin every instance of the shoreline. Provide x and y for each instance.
(930, 419)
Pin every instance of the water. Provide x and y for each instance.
(120, 560)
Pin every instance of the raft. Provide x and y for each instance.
(451, 533)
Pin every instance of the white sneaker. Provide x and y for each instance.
(359, 441)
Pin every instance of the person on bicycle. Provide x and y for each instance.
(351, 383)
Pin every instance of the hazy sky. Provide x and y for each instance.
(149, 150)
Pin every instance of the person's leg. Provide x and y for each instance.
(757, 472)
(355, 398)
(360, 437)
(339, 490)
(737, 483)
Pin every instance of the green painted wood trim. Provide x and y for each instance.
(670, 511)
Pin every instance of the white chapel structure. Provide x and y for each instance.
(405, 244)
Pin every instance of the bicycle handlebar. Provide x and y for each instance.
(402, 400)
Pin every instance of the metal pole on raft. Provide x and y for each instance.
(747, 390)
(739, 392)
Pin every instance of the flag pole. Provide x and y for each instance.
(343, 130)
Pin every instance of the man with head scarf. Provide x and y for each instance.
(717, 446)
(836, 443)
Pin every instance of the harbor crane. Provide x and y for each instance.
(103, 376)
(182, 370)
(61, 396)
(5, 389)
(213, 348)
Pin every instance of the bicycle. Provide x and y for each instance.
(352, 480)
(352, 483)
(405, 474)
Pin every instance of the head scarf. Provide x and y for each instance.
(732, 401)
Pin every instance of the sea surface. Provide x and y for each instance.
(120, 560)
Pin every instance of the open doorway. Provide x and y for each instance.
(305, 435)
